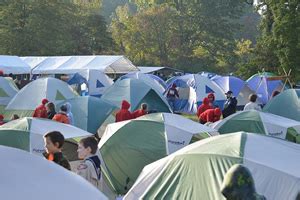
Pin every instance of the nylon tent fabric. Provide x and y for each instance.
(198, 169)
(15, 162)
(7, 91)
(30, 96)
(89, 112)
(150, 79)
(263, 87)
(27, 133)
(192, 88)
(286, 104)
(142, 141)
(261, 123)
(14, 65)
(239, 88)
(74, 64)
(136, 92)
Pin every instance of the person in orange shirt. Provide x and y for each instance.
(203, 107)
(124, 113)
(210, 115)
(140, 112)
(62, 115)
(41, 110)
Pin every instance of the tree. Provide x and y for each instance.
(279, 45)
(49, 27)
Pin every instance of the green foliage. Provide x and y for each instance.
(49, 27)
(279, 45)
(191, 35)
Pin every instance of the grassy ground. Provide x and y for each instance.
(191, 117)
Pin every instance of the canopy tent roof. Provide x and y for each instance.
(14, 65)
(146, 70)
(74, 64)
(30, 185)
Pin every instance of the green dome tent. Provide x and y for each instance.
(262, 123)
(89, 112)
(126, 147)
(286, 104)
(136, 92)
(30, 96)
(8, 90)
(197, 171)
(27, 134)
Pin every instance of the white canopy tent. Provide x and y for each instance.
(74, 64)
(14, 65)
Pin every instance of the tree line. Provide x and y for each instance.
(223, 36)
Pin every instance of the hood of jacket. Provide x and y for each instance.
(205, 101)
(125, 105)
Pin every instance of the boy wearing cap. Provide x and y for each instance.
(230, 104)
(41, 110)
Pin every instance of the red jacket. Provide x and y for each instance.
(139, 113)
(203, 107)
(124, 113)
(210, 115)
(40, 112)
(211, 95)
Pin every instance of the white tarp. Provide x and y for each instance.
(26, 176)
(14, 65)
(146, 70)
(74, 64)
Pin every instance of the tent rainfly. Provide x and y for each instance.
(198, 169)
(26, 176)
(14, 65)
(262, 123)
(27, 133)
(142, 141)
(30, 96)
(75, 64)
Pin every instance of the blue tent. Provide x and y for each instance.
(192, 89)
(239, 88)
(264, 86)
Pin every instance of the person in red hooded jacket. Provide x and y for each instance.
(41, 110)
(210, 115)
(211, 98)
(203, 107)
(2, 120)
(140, 112)
(124, 113)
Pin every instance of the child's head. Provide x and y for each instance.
(54, 141)
(87, 146)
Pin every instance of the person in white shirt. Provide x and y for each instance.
(252, 105)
